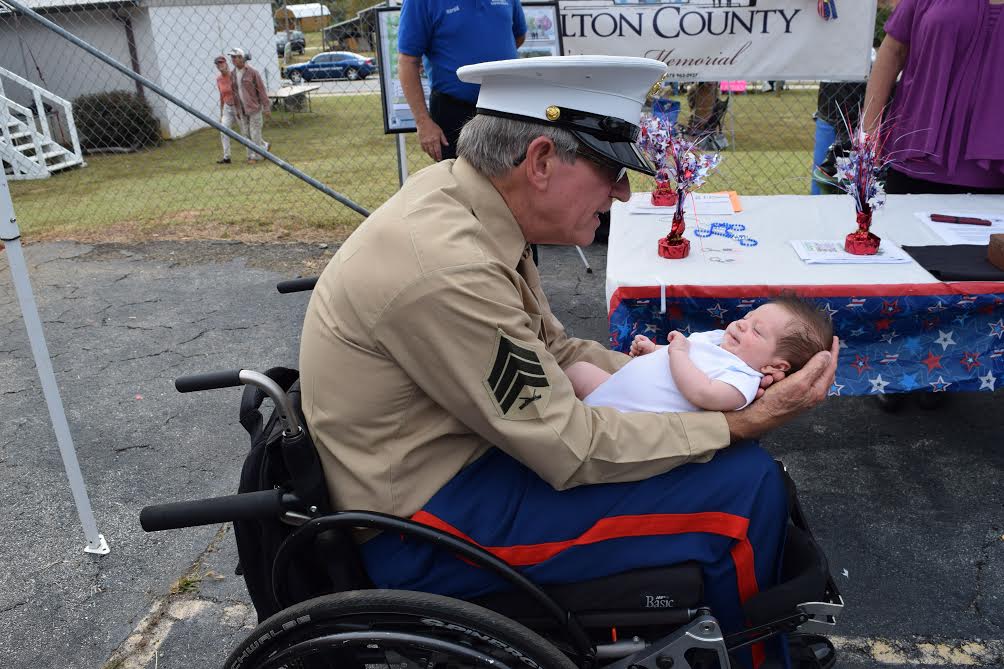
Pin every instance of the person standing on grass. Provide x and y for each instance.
(250, 100)
(228, 113)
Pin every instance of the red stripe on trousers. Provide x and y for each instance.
(619, 527)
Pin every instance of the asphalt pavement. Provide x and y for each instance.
(908, 507)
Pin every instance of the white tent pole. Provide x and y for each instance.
(402, 159)
(11, 237)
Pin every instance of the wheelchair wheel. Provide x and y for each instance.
(396, 629)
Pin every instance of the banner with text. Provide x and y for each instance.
(724, 40)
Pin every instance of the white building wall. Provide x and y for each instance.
(185, 39)
(44, 58)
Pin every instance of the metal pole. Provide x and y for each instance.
(11, 237)
(402, 158)
(191, 110)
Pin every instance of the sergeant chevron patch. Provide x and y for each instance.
(516, 381)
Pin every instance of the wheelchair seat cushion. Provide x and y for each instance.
(658, 588)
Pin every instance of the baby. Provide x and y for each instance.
(718, 370)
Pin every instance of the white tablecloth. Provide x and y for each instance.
(632, 259)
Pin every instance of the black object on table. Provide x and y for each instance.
(960, 262)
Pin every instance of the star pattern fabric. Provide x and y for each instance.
(889, 344)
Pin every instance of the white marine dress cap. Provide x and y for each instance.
(597, 98)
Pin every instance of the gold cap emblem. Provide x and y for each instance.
(552, 113)
(657, 87)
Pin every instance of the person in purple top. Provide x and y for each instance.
(943, 127)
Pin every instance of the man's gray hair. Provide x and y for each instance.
(494, 144)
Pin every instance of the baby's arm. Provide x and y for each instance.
(585, 377)
(695, 385)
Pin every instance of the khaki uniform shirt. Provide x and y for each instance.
(428, 340)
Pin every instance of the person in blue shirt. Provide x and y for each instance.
(451, 34)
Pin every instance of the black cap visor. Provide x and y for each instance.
(620, 153)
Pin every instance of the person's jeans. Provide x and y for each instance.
(825, 135)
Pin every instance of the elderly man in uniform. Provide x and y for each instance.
(432, 367)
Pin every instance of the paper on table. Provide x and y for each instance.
(831, 252)
(961, 233)
(707, 204)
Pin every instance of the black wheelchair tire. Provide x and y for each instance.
(521, 648)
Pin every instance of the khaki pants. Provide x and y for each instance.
(227, 118)
(251, 128)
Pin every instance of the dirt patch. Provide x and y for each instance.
(186, 226)
(293, 259)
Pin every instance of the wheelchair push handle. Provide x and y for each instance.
(209, 381)
(245, 506)
(245, 377)
(297, 285)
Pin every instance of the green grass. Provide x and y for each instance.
(178, 190)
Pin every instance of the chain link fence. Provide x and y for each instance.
(92, 154)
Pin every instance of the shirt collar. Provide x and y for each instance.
(503, 232)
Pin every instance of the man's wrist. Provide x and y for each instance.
(739, 425)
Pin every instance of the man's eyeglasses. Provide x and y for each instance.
(613, 171)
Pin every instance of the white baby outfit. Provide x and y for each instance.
(646, 384)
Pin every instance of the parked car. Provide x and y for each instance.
(332, 65)
(297, 42)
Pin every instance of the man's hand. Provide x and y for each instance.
(786, 398)
(641, 345)
(678, 342)
(432, 138)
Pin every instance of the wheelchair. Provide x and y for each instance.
(317, 607)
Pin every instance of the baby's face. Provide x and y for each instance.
(754, 339)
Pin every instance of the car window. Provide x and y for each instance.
(323, 58)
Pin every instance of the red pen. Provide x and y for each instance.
(962, 220)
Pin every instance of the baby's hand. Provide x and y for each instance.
(642, 345)
(678, 342)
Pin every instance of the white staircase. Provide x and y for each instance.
(27, 149)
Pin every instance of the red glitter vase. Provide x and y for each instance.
(862, 242)
(664, 195)
(673, 246)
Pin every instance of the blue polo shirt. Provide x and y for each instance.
(454, 33)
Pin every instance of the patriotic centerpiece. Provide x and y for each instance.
(859, 174)
(679, 169)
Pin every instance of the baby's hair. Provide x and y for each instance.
(812, 333)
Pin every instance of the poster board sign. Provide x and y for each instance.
(397, 116)
(543, 30)
(727, 40)
(543, 38)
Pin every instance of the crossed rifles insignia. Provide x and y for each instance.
(516, 381)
